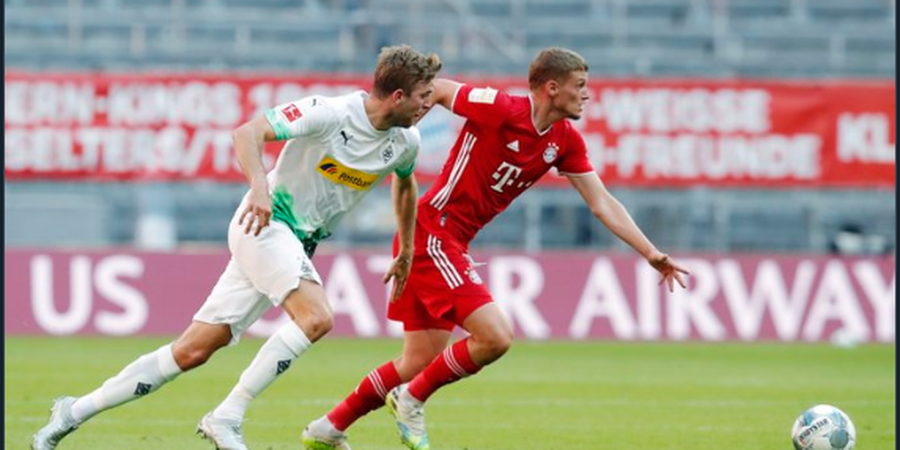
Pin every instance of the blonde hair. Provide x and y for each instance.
(403, 67)
(554, 63)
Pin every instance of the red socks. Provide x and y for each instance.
(452, 364)
(368, 396)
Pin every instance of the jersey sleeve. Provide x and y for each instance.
(574, 159)
(305, 117)
(407, 164)
(483, 105)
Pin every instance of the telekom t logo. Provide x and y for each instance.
(506, 174)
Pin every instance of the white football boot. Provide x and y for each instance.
(225, 434)
(320, 434)
(409, 414)
(60, 425)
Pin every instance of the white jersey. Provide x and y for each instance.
(332, 158)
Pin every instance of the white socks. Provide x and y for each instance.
(322, 427)
(143, 376)
(275, 357)
(408, 400)
(149, 372)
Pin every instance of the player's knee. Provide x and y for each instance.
(324, 322)
(500, 342)
(191, 356)
(494, 343)
(410, 366)
(502, 337)
(316, 324)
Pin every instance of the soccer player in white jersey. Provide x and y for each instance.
(337, 149)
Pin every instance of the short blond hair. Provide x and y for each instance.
(403, 67)
(554, 63)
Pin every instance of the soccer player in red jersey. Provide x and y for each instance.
(506, 145)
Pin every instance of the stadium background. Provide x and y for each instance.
(753, 139)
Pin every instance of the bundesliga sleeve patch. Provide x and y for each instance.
(291, 112)
(483, 95)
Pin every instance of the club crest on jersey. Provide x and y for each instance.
(483, 95)
(292, 112)
(473, 276)
(550, 153)
(388, 152)
(338, 173)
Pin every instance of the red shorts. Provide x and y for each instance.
(443, 288)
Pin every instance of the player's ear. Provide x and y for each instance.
(396, 97)
(552, 87)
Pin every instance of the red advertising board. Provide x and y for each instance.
(673, 133)
(574, 295)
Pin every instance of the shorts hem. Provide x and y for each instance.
(293, 285)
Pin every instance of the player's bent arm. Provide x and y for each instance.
(444, 90)
(612, 214)
(405, 193)
(249, 140)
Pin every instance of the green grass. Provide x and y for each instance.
(541, 396)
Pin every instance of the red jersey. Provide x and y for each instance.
(498, 155)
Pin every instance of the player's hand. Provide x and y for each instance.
(258, 210)
(399, 271)
(670, 271)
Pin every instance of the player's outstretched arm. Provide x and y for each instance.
(404, 193)
(614, 216)
(444, 90)
(249, 140)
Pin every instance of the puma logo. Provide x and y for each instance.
(346, 136)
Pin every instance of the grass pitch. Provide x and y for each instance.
(540, 396)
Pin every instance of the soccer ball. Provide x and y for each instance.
(823, 427)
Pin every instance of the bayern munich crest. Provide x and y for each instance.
(550, 153)
(473, 276)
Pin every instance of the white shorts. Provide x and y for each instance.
(262, 271)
